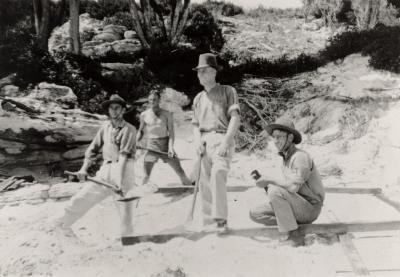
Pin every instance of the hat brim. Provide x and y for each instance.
(217, 68)
(107, 103)
(296, 134)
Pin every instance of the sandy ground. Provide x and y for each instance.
(29, 248)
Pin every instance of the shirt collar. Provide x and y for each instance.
(288, 153)
(121, 124)
(208, 91)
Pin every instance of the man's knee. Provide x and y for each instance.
(275, 192)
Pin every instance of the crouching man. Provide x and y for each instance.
(296, 197)
(116, 140)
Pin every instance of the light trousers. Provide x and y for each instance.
(213, 176)
(285, 209)
(92, 194)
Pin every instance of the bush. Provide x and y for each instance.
(262, 12)
(173, 67)
(18, 40)
(202, 30)
(120, 18)
(280, 67)
(230, 9)
(105, 8)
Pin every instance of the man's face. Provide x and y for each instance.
(281, 139)
(206, 75)
(115, 111)
(153, 100)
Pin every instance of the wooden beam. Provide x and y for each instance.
(177, 189)
(387, 200)
(270, 231)
(353, 256)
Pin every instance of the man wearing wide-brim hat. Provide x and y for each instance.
(295, 197)
(215, 122)
(116, 140)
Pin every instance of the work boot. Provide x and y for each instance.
(222, 226)
(294, 238)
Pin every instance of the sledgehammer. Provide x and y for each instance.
(115, 189)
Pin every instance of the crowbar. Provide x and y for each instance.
(161, 153)
(115, 189)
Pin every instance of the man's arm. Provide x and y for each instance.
(171, 134)
(294, 177)
(141, 127)
(127, 148)
(91, 153)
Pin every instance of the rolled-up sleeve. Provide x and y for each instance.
(195, 107)
(128, 141)
(233, 101)
(299, 170)
(94, 148)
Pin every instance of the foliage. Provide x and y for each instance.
(280, 67)
(173, 66)
(105, 8)
(120, 18)
(262, 12)
(362, 13)
(12, 11)
(19, 39)
(230, 9)
(202, 30)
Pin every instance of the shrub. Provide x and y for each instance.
(173, 67)
(120, 18)
(105, 8)
(229, 9)
(202, 30)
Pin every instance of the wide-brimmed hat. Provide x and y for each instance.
(115, 98)
(284, 125)
(208, 60)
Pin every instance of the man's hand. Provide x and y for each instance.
(82, 175)
(200, 148)
(255, 174)
(171, 152)
(223, 149)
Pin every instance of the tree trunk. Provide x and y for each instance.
(75, 45)
(182, 22)
(42, 18)
(138, 24)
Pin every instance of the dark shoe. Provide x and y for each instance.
(296, 238)
(222, 226)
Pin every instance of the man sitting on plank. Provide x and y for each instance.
(116, 140)
(157, 127)
(298, 195)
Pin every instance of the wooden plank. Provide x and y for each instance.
(270, 231)
(353, 256)
(178, 189)
(388, 201)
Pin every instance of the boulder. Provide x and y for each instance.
(59, 38)
(115, 29)
(61, 94)
(99, 49)
(107, 37)
(8, 80)
(48, 141)
(127, 46)
(130, 34)
(118, 72)
(9, 90)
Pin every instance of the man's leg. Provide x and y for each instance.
(290, 208)
(176, 166)
(80, 203)
(218, 178)
(204, 188)
(148, 167)
(263, 214)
